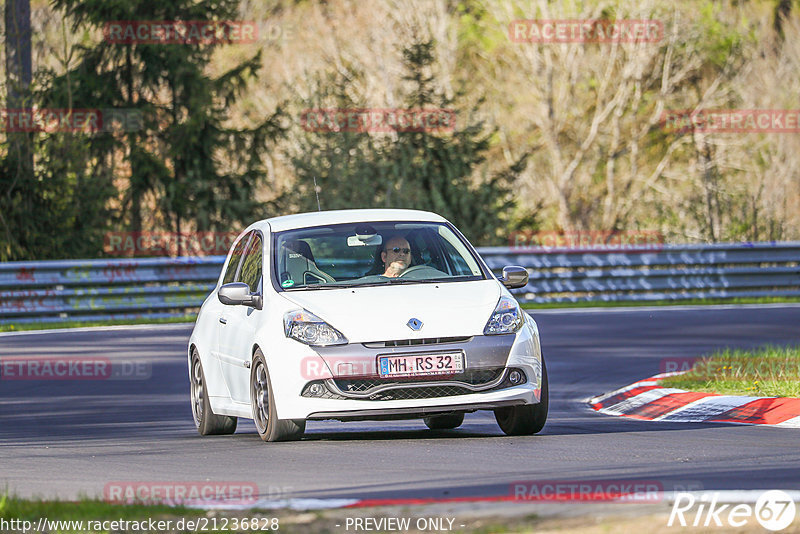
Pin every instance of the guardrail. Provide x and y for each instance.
(151, 288)
(82, 290)
(669, 272)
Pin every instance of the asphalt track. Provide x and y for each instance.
(70, 438)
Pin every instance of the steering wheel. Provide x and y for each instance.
(412, 269)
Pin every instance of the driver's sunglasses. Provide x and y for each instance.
(398, 250)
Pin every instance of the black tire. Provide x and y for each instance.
(207, 422)
(444, 422)
(265, 414)
(528, 419)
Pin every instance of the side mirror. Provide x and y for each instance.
(238, 294)
(514, 276)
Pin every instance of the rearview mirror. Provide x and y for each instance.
(514, 276)
(364, 240)
(238, 294)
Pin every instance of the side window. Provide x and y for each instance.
(230, 272)
(251, 265)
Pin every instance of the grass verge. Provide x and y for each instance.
(80, 324)
(96, 517)
(16, 514)
(556, 518)
(14, 507)
(769, 371)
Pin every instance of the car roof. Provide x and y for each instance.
(318, 218)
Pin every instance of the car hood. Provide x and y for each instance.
(381, 313)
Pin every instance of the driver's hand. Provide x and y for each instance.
(395, 269)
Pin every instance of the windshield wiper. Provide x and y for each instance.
(429, 280)
(386, 282)
(334, 286)
(319, 286)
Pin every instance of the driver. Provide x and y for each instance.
(396, 256)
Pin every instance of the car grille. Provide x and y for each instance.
(374, 389)
(412, 342)
(474, 377)
(429, 392)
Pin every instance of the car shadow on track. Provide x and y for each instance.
(387, 433)
(479, 430)
(394, 435)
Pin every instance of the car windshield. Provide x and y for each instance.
(379, 253)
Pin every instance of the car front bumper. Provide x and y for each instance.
(340, 364)
(349, 410)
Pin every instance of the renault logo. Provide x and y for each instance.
(414, 324)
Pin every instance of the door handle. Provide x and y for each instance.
(223, 320)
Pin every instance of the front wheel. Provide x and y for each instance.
(528, 419)
(265, 414)
(207, 422)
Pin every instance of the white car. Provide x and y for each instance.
(363, 315)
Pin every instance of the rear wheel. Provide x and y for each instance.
(206, 421)
(444, 422)
(528, 419)
(265, 414)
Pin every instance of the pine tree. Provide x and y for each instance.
(201, 174)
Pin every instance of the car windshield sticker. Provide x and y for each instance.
(287, 283)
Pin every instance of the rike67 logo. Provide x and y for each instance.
(774, 510)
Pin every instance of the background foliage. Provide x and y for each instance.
(548, 136)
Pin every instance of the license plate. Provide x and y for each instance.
(421, 364)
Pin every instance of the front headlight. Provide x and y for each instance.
(307, 328)
(506, 318)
